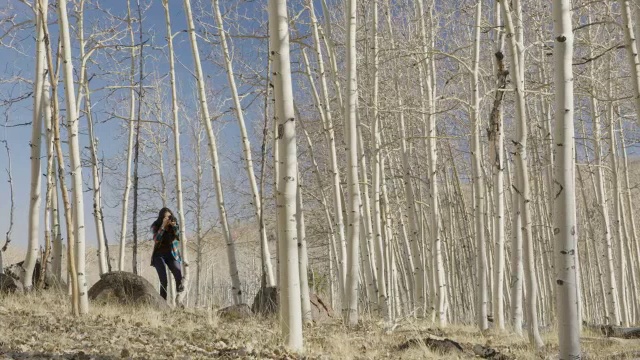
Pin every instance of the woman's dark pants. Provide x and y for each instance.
(159, 262)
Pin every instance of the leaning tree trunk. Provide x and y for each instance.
(328, 127)
(246, 145)
(213, 152)
(523, 187)
(289, 275)
(97, 191)
(33, 233)
(74, 156)
(565, 219)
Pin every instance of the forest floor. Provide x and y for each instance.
(40, 326)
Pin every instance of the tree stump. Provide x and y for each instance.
(126, 288)
(265, 302)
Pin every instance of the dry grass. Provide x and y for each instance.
(39, 325)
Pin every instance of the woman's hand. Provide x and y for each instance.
(165, 223)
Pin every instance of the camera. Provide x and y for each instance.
(173, 219)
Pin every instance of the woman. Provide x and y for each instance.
(166, 235)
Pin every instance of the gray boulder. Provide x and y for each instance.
(126, 288)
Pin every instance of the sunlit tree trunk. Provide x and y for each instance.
(478, 185)
(246, 145)
(303, 258)
(565, 219)
(132, 111)
(383, 299)
(289, 274)
(74, 156)
(496, 157)
(523, 187)
(213, 152)
(353, 184)
(328, 126)
(177, 154)
(35, 198)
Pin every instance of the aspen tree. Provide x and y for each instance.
(328, 127)
(131, 129)
(353, 183)
(303, 258)
(177, 154)
(478, 183)
(246, 145)
(523, 186)
(74, 156)
(383, 298)
(496, 156)
(213, 153)
(289, 274)
(35, 197)
(565, 219)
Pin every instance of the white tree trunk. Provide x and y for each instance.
(303, 258)
(523, 187)
(74, 156)
(496, 156)
(478, 185)
(290, 307)
(330, 136)
(176, 145)
(132, 112)
(351, 289)
(246, 144)
(383, 299)
(565, 218)
(35, 198)
(213, 152)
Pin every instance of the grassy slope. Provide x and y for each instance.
(40, 325)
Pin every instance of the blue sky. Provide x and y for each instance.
(19, 62)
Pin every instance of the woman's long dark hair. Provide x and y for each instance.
(156, 224)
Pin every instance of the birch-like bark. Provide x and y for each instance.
(330, 137)
(290, 307)
(303, 258)
(496, 154)
(523, 187)
(74, 156)
(383, 299)
(353, 183)
(618, 238)
(632, 50)
(565, 218)
(213, 152)
(178, 164)
(132, 111)
(246, 145)
(478, 185)
(84, 91)
(35, 198)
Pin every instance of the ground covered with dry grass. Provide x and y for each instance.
(39, 325)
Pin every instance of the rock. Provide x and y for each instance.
(266, 301)
(489, 353)
(436, 345)
(50, 281)
(234, 312)
(9, 284)
(321, 311)
(126, 288)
